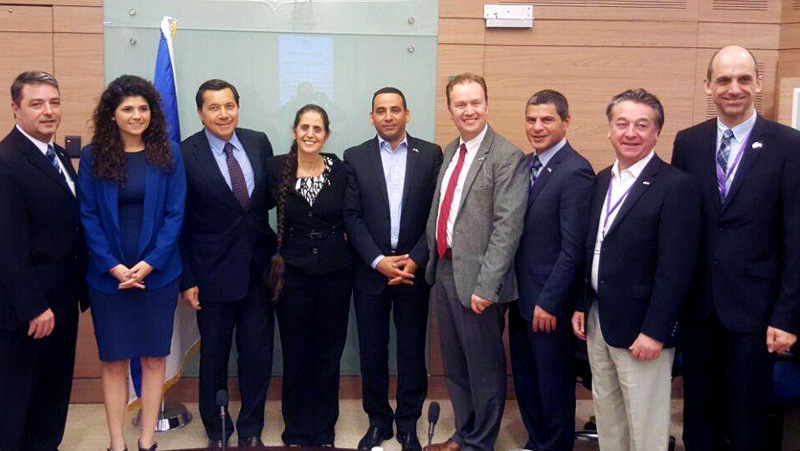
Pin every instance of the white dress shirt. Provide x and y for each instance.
(42, 146)
(472, 149)
(620, 186)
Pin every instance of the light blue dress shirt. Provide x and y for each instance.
(394, 172)
(740, 134)
(218, 150)
(545, 156)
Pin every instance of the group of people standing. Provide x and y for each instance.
(643, 256)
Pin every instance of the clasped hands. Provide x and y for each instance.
(133, 277)
(399, 269)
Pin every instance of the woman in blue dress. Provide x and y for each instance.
(133, 187)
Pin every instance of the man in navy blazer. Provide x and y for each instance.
(42, 270)
(745, 302)
(226, 246)
(391, 182)
(549, 266)
(641, 250)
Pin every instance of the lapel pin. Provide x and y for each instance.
(757, 145)
(646, 183)
(549, 169)
(481, 158)
(414, 149)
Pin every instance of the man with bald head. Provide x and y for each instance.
(745, 302)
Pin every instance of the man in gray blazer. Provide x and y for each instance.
(473, 231)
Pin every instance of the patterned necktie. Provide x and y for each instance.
(51, 155)
(238, 183)
(534, 164)
(444, 211)
(724, 150)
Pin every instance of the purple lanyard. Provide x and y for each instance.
(612, 208)
(723, 177)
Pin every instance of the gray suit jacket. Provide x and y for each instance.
(489, 222)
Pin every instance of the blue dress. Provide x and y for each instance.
(133, 323)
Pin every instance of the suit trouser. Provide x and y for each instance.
(312, 316)
(253, 320)
(727, 378)
(631, 396)
(474, 363)
(543, 365)
(35, 385)
(409, 306)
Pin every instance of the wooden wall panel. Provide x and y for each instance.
(98, 3)
(26, 18)
(77, 19)
(597, 33)
(790, 11)
(20, 52)
(745, 11)
(754, 36)
(790, 36)
(79, 69)
(461, 31)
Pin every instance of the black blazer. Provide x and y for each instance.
(648, 255)
(551, 253)
(749, 267)
(225, 248)
(43, 263)
(366, 208)
(314, 239)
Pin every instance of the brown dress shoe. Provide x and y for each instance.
(449, 445)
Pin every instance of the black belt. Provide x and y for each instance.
(448, 254)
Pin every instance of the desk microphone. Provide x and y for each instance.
(222, 404)
(433, 418)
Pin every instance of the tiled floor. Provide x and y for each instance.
(86, 429)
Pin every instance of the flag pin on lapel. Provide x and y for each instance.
(414, 149)
(757, 145)
(549, 169)
(646, 183)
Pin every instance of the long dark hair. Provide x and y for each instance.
(277, 268)
(108, 150)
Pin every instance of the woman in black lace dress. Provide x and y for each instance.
(310, 279)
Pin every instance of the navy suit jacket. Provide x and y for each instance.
(225, 248)
(366, 208)
(551, 253)
(162, 218)
(43, 262)
(648, 255)
(749, 267)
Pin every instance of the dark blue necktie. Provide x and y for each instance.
(51, 155)
(534, 165)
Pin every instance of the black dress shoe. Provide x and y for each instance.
(409, 441)
(214, 444)
(151, 448)
(250, 442)
(374, 437)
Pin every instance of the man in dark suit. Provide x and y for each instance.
(226, 245)
(42, 270)
(745, 302)
(549, 266)
(641, 250)
(473, 231)
(389, 192)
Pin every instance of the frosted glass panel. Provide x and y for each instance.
(283, 54)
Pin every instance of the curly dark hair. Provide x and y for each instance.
(108, 151)
(274, 278)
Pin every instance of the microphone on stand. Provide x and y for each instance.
(222, 405)
(433, 418)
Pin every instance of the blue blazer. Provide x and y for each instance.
(162, 219)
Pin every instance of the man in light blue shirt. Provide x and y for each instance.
(389, 193)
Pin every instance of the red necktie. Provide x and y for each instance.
(444, 211)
